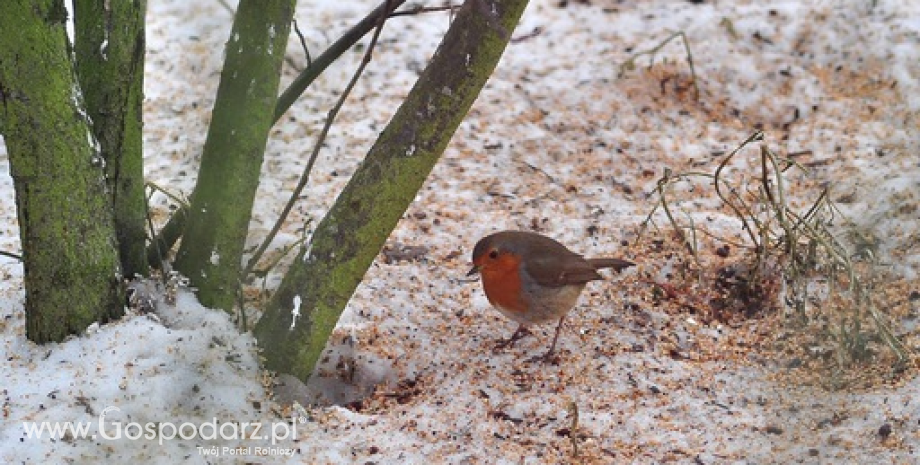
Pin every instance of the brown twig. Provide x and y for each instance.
(305, 175)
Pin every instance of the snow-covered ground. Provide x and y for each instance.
(561, 141)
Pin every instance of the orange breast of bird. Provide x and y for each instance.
(501, 280)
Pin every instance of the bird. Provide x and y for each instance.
(533, 279)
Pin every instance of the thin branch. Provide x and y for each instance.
(11, 255)
(175, 198)
(305, 176)
(630, 64)
(227, 6)
(170, 233)
(303, 44)
(530, 35)
(176, 223)
(756, 136)
(349, 39)
(425, 9)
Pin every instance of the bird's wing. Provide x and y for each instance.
(553, 271)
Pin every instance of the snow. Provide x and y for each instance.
(295, 312)
(561, 140)
(144, 371)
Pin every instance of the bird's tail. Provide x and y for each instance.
(615, 263)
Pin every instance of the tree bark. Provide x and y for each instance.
(218, 220)
(109, 46)
(172, 231)
(72, 274)
(325, 274)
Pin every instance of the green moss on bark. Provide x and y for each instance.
(218, 219)
(344, 245)
(109, 45)
(72, 274)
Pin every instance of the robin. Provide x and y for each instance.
(533, 279)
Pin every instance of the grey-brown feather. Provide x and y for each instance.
(615, 263)
(549, 262)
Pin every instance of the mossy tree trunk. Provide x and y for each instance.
(344, 244)
(109, 46)
(172, 231)
(221, 205)
(70, 256)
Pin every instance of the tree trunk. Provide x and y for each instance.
(218, 220)
(109, 46)
(325, 274)
(72, 274)
(172, 231)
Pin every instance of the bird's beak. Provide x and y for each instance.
(474, 270)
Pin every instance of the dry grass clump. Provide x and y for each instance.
(807, 265)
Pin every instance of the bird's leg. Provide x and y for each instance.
(550, 355)
(521, 332)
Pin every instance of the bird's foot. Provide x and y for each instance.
(550, 357)
(502, 344)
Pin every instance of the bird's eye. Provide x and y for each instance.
(493, 254)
